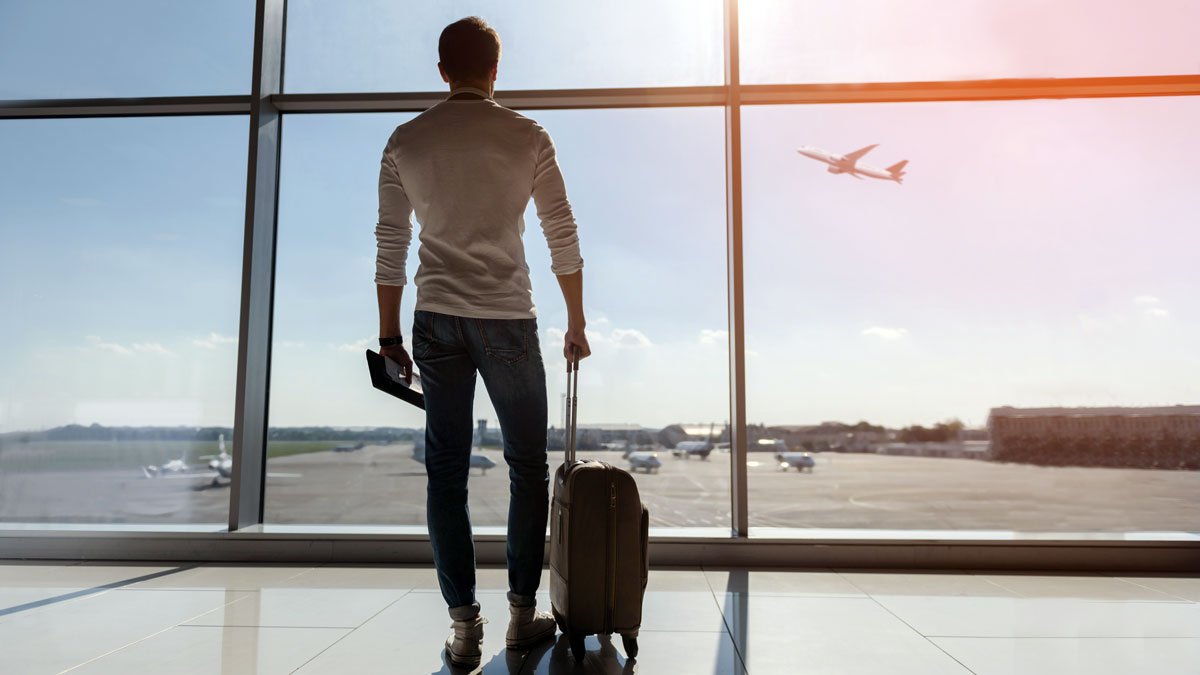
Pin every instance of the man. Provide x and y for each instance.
(467, 167)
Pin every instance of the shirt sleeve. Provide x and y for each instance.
(393, 232)
(553, 209)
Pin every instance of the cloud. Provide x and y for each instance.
(152, 348)
(356, 346)
(1153, 306)
(290, 344)
(618, 337)
(136, 348)
(709, 336)
(114, 348)
(629, 337)
(213, 340)
(886, 333)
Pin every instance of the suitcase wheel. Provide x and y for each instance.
(577, 649)
(630, 644)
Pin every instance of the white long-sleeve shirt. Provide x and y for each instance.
(467, 168)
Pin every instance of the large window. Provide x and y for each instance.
(1039, 254)
(923, 40)
(71, 49)
(377, 45)
(647, 189)
(120, 265)
(991, 332)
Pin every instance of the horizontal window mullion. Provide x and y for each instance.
(124, 107)
(972, 90)
(541, 99)
(549, 99)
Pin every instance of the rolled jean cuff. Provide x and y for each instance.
(464, 612)
(521, 600)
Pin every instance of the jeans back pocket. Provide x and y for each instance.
(506, 340)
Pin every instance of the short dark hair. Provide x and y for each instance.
(468, 48)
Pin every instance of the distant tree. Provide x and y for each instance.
(942, 432)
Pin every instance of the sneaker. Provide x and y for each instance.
(464, 647)
(527, 626)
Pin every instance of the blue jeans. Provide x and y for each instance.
(448, 351)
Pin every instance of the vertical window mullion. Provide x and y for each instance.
(736, 288)
(258, 271)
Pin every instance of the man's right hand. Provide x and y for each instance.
(398, 354)
(577, 339)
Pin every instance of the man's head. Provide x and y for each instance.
(469, 52)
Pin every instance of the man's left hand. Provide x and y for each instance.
(398, 354)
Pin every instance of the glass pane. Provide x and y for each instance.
(72, 49)
(785, 41)
(647, 189)
(120, 271)
(374, 45)
(1038, 254)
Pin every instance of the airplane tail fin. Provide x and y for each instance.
(897, 169)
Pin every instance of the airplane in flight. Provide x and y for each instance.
(647, 461)
(800, 461)
(220, 467)
(478, 460)
(848, 164)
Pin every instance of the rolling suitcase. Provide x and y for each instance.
(598, 545)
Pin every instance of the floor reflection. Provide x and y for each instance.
(602, 657)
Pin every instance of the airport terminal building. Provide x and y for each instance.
(1166, 437)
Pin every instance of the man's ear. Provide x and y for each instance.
(495, 70)
(443, 73)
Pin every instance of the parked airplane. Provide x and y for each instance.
(478, 460)
(172, 466)
(222, 462)
(849, 163)
(647, 461)
(795, 460)
(701, 449)
(220, 466)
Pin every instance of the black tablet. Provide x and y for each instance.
(387, 377)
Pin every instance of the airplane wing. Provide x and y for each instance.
(858, 154)
(207, 475)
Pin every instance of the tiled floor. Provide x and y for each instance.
(168, 619)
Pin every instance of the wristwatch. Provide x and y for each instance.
(393, 341)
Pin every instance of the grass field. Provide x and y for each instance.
(92, 455)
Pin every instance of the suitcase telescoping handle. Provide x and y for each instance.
(572, 403)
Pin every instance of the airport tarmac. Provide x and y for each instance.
(383, 485)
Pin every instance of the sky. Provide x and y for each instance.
(1038, 253)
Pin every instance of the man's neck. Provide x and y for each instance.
(481, 86)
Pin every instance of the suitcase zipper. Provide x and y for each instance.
(610, 582)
